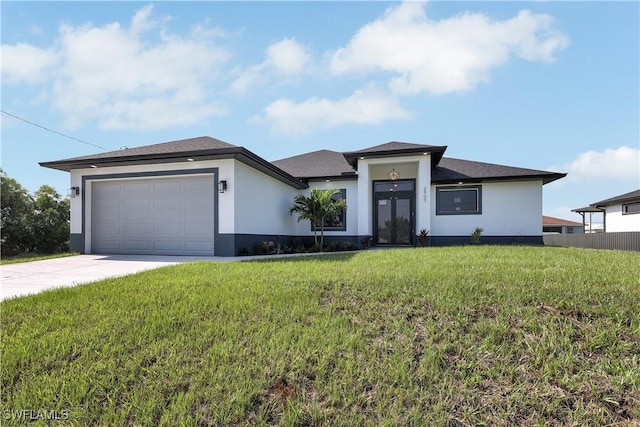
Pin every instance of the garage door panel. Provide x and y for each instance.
(110, 188)
(138, 230)
(203, 201)
(173, 215)
(137, 216)
(107, 203)
(168, 230)
(167, 202)
(204, 230)
(198, 216)
(111, 229)
(199, 246)
(164, 186)
(136, 187)
(164, 245)
(137, 245)
(109, 216)
(136, 202)
(202, 185)
(108, 245)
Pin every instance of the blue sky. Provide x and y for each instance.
(541, 85)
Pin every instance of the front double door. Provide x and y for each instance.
(394, 213)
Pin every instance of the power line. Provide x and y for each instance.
(50, 130)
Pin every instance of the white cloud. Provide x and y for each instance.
(612, 164)
(285, 58)
(288, 57)
(119, 78)
(23, 63)
(449, 55)
(366, 106)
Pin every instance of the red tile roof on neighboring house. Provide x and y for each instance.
(549, 220)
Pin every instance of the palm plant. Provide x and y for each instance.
(318, 208)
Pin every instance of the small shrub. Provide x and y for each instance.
(333, 246)
(423, 237)
(244, 251)
(268, 248)
(349, 246)
(298, 246)
(475, 236)
(317, 247)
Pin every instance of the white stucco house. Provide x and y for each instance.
(620, 213)
(203, 196)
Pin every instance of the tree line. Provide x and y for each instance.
(32, 223)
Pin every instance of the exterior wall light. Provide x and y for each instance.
(74, 191)
(222, 186)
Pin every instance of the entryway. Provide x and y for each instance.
(394, 212)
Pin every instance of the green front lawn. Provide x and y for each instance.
(34, 257)
(435, 336)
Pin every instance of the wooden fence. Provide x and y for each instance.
(624, 241)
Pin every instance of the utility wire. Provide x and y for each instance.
(51, 130)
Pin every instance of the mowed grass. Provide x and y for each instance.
(494, 335)
(33, 257)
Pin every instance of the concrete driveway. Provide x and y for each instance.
(33, 277)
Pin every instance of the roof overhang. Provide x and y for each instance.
(587, 209)
(436, 153)
(616, 201)
(239, 153)
(343, 177)
(546, 179)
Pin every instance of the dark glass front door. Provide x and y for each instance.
(393, 216)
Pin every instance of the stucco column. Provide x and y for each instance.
(364, 199)
(423, 194)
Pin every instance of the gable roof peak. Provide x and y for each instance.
(394, 146)
(396, 149)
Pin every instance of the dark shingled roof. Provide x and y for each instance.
(318, 164)
(191, 145)
(395, 146)
(393, 149)
(627, 197)
(456, 170)
(201, 148)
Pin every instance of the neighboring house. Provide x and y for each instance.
(621, 213)
(203, 196)
(561, 226)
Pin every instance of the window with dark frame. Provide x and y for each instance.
(631, 208)
(339, 223)
(458, 200)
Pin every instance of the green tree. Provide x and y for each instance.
(38, 223)
(16, 206)
(318, 208)
(50, 221)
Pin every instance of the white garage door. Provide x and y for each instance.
(162, 216)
